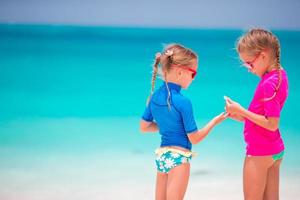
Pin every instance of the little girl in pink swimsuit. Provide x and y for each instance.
(259, 50)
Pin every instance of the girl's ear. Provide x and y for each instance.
(263, 55)
(177, 74)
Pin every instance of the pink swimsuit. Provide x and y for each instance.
(259, 140)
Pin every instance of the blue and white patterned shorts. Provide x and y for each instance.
(168, 158)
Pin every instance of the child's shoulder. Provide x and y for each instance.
(181, 101)
(272, 79)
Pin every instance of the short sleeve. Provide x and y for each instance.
(186, 111)
(147, 116)
(271, 105)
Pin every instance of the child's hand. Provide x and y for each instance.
(219, 118)
(232, 107)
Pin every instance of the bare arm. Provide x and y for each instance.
(148, 126)
(237, 117)
(270, 123)
(234, 108)
(202, 133)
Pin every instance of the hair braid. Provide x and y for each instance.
(154, 75)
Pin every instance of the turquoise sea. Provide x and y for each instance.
(71, 98)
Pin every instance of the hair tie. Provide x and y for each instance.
(157, 56)
(169, 52)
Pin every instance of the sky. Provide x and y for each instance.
(274, 14)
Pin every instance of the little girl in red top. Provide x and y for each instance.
(260, 52)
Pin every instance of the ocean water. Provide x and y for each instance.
(71, 98)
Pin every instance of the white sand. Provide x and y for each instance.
(93, 177)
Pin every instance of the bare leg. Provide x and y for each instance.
(272, 186)
(161, 186)
(178, 179)
(255, 176)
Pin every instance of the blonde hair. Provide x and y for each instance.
(257, 40)
(173, 54)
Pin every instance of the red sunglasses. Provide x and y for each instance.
(249, 64)
(194, 72)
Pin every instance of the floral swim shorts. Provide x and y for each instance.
(168, 158)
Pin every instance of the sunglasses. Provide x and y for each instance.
(249, 64)
(194, 72)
